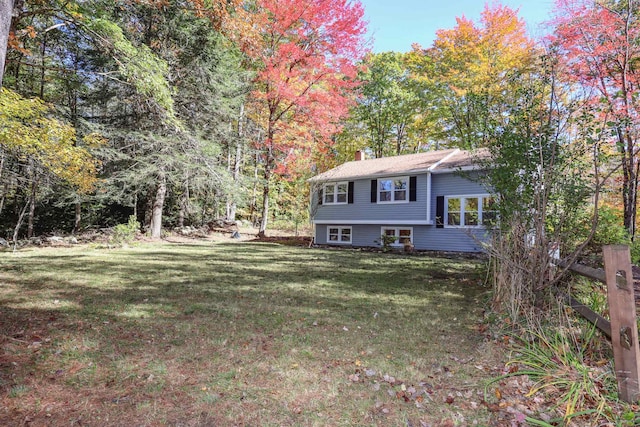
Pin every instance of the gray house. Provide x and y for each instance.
(428, 201)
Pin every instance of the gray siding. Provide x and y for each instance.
(425, 237)
(454, 184)
(363, 209)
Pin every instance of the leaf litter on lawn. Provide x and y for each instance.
(220, 333)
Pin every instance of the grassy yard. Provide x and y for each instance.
(241, 333)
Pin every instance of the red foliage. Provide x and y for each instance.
(306, 56)
(600, 47)
(599, 43)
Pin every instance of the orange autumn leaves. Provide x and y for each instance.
(469, 72)
(477, 57)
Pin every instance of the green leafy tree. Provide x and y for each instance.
(545, 177)
(387, 106)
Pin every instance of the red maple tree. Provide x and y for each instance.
(306, 57)
(599, 42)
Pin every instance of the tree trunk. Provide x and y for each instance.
(265, 205)
(2, 194)
(42, 64)
(78, 218)
(16, 230)
(629, 183)
(148, 209)
(158, 205)
(135, 204)
(237, 164)
(184, 204)
(32, 209)
(254, 192)
(6, 12)
(181, 216)
(268, 168)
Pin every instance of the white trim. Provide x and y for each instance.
(335, 186)
(429, 221)
(405, 179)
(445, 158)
(371, 222)
(340, 241)
(479, 197)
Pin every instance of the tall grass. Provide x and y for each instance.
(566, 363)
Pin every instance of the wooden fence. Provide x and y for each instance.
(623, 327)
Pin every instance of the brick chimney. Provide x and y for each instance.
(359, 155)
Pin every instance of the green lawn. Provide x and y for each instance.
(241, 333)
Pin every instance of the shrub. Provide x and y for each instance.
(125, 233)
(386, 242)
(610, 231)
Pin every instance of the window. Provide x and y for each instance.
(454, 210)
(397, 236)
(335, 193)
(393, 190)
(470, 211)
(339, 235)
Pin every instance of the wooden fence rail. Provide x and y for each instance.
(623, 327)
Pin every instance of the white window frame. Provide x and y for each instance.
(340, 234)
(406, 181)
(480, 199)
(335, 186)
(396, 230)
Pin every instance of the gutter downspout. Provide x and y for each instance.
(429, 221)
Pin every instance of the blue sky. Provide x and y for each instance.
(396, 24)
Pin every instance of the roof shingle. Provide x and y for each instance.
(434, 161)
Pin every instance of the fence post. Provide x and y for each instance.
(624, 329)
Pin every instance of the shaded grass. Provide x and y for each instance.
(240, 334)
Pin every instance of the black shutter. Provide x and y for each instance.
(440, 212)
(350, 193)
(412, 188)
(320, 195)
(374, 191)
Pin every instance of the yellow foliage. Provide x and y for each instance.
(27, 132)
(477, 58)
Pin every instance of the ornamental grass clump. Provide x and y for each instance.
(568, 366)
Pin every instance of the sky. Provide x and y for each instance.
(396, 24)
